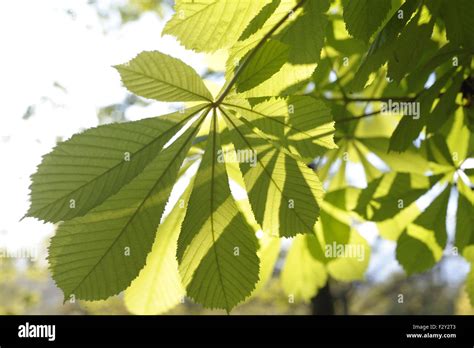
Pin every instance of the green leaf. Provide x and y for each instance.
(410, 161)
(258, 21)
(363, 204)
(266, 62)
(305, 35)
(158, 76)
(383, 44)
(209, 25)
(303, 275)
(283, 192)
(446, 106)
(98, 255)
(269, 250)
(354, 262)
(371, 172)
(409, 127)
(217, 248)
(386, 196)
(334, 230)
(265, 24)
(464, 216)
(417, 250)
(434, 217)
(158, 287)
(268, 254)
(301, 124)
(81, 173)
(282, 83)
(443, 57)
(289, 74)
(410, 47)
(364, 17)
(457, 15)
(438, 151)
(459, 139)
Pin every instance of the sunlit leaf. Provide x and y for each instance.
(158, 76)
(217, 248)
(208, 25)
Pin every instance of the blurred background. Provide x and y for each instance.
(57, 79)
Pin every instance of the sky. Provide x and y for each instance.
(55, 55)
(58, 58)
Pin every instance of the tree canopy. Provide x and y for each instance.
(317, 93)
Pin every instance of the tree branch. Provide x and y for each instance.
(369, 99)
(355, 118)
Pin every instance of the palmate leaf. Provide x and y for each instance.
(437, 151)
(83, 172)
(209, 25)
(301, 124)
(409, 161)
(217, 247)
(111, 185)
(98, 255)
(283, 192)
(387, 195)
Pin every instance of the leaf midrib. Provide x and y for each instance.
(205, 8)
(138, 208)
(118, 164)
(138, 72)
(214, 247)
(288, 125)
(265, 170)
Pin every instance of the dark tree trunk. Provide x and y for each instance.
(323, 302)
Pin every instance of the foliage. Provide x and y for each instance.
(305, 103)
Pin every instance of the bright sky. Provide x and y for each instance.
(42, 45)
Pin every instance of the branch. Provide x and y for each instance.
(369, 99)
(355, 118)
